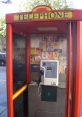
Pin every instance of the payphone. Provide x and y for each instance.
(50, 72)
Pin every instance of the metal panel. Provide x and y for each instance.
(38, 108)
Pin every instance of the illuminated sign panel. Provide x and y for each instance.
(44, 16)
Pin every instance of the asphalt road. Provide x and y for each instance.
(3, 97)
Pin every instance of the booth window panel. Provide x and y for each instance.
(20, 105)
(19, 61)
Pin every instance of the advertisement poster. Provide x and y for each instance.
(44, 55)
(56, 55)
(34, 41)
(42, 42)
(35, 59)
(50, 55)
(48, 46)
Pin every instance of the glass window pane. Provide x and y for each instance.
(19, 61)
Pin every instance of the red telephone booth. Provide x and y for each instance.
(44, 63)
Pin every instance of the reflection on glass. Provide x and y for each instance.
(19, 66)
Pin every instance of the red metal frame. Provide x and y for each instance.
(70, 70)
(67, 70)
(78, 83)
(28, 57)
(9, 71)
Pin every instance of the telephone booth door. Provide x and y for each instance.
(43, 64)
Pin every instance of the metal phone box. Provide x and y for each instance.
(50, 69)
